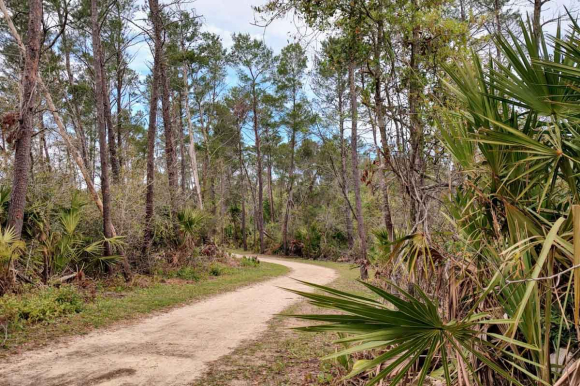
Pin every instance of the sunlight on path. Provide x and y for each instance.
(168, 349)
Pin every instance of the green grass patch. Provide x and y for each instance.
(41, 316)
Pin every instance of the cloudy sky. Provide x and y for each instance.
(225, 17)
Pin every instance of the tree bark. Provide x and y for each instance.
(537, 19)
(181, 140)
(112, 144)
(25, 120)
(120, 72)
(416, 162)
(108, 229)
(355, 173)
(382, 125)
(192, 151)
(343, 169)
(151, 134)
(44, 146)
(270, 189)
(289, 200)
(119, 113)
(260, 206)
(243, 195)
(171, 160)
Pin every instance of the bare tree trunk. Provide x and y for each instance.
(343, 171)
(119, 115)
(76, 115)
(151, 134)
(260, 206)
(25, 122)
(171, 160)
(207, 181)
(45, 146)
(182, 143)
(243, 196)
(120, 72)
(289, 200)
(112, 144)
(382, 125)
(355, 174)
(416, 162)
(270, 189)
(497, 16)
(537, 19)
(192, 151)
(108, 229)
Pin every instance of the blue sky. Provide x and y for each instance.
(225, 17)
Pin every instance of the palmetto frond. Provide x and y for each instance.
(406, 329)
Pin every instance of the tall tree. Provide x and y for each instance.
(151, 135)
(28, 100)
(289, 80)
(170, 153)
(254, 61)
(101, 124)
(330, 81)
(355, 172)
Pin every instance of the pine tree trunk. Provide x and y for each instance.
(242, 192)
(22, 145)
(119, 110)
(112, 144)
(416, 166)
(382, 125)
(270, 189)
(343, 171)
(289, 200)
(192, 151)
(151, 135)
(260, 204)
(355, 173)
(108, 229)
(182, 144)
(44, 146)
(171, 160)
(120, 75)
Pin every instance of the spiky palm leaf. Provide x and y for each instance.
(406, 329)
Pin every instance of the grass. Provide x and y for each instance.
(124, 303)
(281, 356)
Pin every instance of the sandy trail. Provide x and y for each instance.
(168, 349)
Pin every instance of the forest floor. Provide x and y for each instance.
(173, 348)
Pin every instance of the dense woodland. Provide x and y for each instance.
(435, 145)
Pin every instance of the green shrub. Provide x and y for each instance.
(44, 305)
(187, 273)
(249, 262)
(216, 270)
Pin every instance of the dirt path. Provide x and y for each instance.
(168, 349)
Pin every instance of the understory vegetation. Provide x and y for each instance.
(433, 145)
(38, 316)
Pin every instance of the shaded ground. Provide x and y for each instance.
(170, 349)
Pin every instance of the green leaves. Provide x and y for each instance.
(404, 329)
